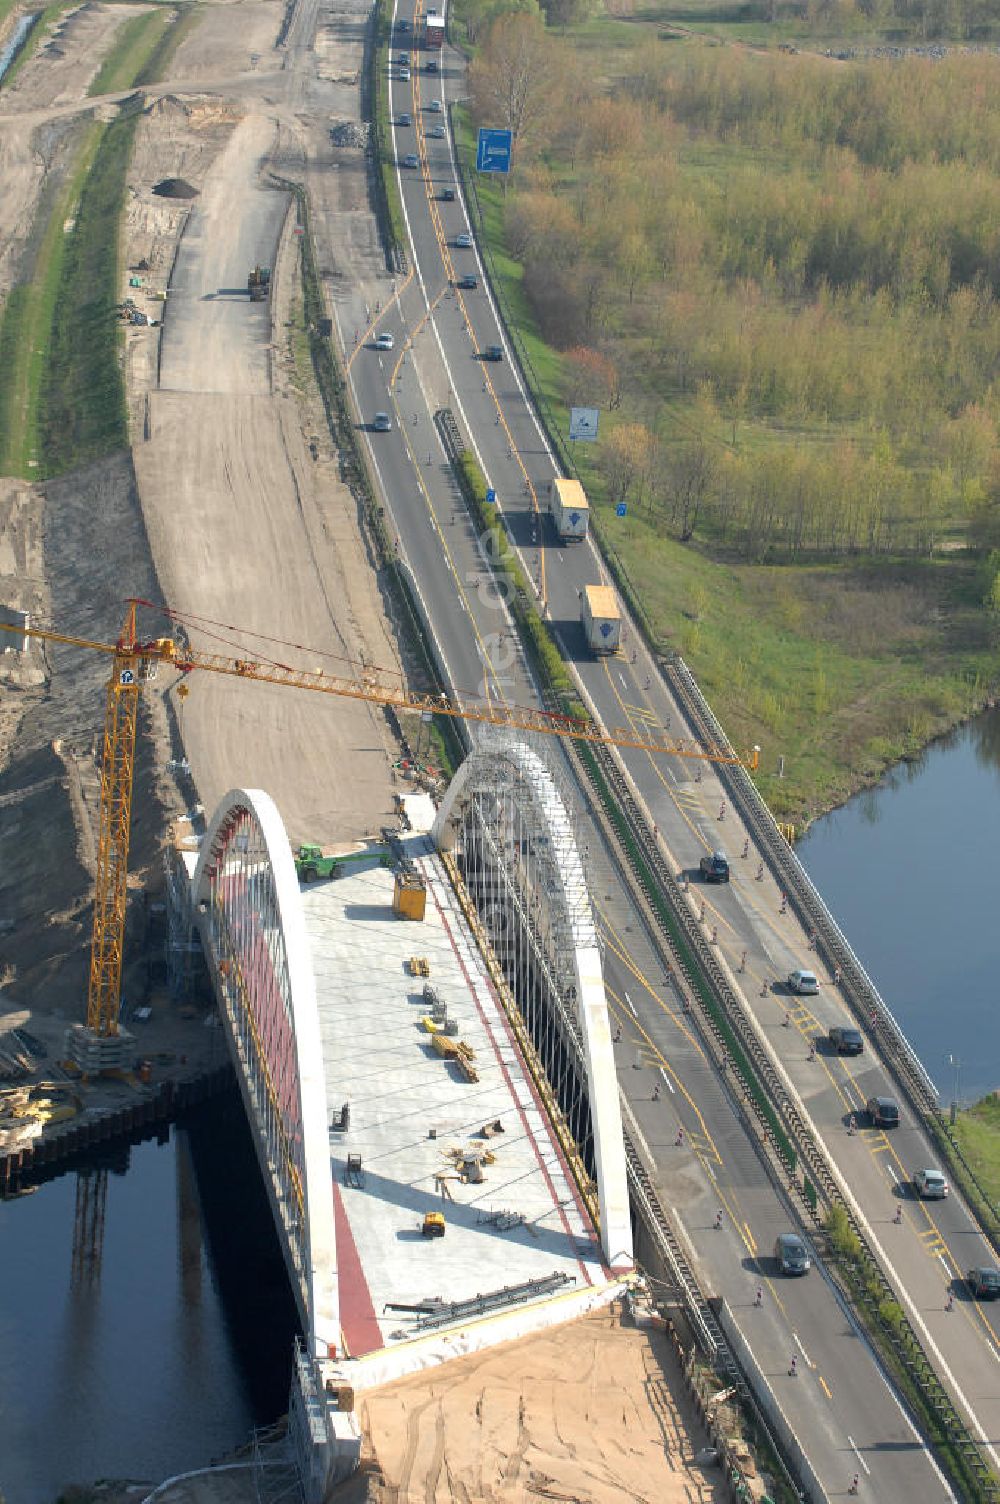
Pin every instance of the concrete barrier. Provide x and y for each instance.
(768, 1402)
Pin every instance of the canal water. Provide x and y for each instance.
(910, 871)
(170, 1348)
(180, 1342)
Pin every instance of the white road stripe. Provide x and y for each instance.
(854, 1449)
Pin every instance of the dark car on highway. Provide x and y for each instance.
(469, 283)
(883, 1112)
(791, 1254)
(493, 352)
(715, 868)
(846, 1041)
(984, 1283)
(448, 195)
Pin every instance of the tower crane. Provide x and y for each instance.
(135, 661)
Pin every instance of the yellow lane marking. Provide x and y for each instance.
(825, 1387)
(624, 1016)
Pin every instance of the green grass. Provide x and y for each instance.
(28, 319)
(82, 401)
(138, 45)
(978, 1132)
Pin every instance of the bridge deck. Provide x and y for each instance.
(412, 1114)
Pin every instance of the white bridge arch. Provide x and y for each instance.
(503, 805)
(247, 906)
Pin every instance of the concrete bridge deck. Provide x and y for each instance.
(415, 1119)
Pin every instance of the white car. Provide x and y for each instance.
(435, 107)
(438, 132)
(803, 982)
(384, 341)
(382, 423)
(930, 1185)
(464, 241)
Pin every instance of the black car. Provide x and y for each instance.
(448, 195)
(791, 1254)
(846, 1041)
(883, 1112)
(493, 352)
(432, 66)
(469, 282)
(715, 868)
(984, 1283)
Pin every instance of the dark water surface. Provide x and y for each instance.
(179, 1346)
(911, 871)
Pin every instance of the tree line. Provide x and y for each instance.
(784, 290)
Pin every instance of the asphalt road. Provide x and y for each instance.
(838, 1401)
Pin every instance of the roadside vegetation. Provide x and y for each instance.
(978, 1132)
(62, 397)
(777, 276)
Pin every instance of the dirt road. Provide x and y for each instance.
(584, 1412)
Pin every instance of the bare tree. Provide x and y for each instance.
(511, 79)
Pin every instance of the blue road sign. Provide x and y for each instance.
(491, 497)
(621, 509)
(493, 150)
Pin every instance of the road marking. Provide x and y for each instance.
(798, 1343)
(630, 1004)
(893, 1174)
(750, 1239)
(825, 1387)
(670, 1084)
(854, 1449)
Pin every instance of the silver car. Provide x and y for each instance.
(803, 982)
(930, 1185)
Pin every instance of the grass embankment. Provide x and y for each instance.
(840, 666)
(32, 41)
(978, 1132)
(62, 397)
(385, 161)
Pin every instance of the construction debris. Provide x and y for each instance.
(349, 133)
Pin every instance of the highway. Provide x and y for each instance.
(838, 1401)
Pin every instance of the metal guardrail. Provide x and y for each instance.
(863, 997)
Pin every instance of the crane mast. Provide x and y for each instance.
(110, 893)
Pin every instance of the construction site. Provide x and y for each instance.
(230, 505)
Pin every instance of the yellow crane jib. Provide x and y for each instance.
(135, 663)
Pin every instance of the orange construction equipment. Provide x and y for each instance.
(135, 662)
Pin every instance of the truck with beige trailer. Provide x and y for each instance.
(569, 509)
(601, 619)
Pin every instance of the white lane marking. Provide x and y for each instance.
(892, 1172)
(798, 1343)
(623, 684)
(670, 1084)
(630, 1004)
(854, 1449)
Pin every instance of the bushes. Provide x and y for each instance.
(511, 583)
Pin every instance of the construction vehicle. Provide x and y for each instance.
(419, 966)
(310, 863)
(434, 1225)
(409, 896)
(259, 283)
(135, 662)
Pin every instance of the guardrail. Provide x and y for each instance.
(830, 942)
